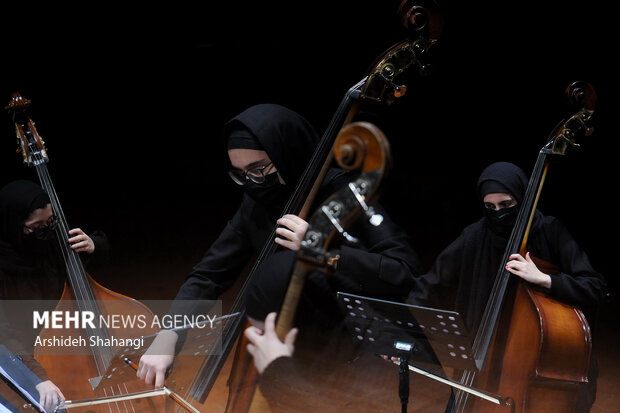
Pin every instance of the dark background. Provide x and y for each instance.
(131, 102)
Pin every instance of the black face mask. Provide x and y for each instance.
(44, 233)
(503, 220)
(270, 192)
(38, 242)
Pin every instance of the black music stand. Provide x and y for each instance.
(409, 332)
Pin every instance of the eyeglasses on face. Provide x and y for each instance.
(256, 175)
(51, 223)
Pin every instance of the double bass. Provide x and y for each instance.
(382, 86)
(362, 148)
(82, 375)
(530, 348)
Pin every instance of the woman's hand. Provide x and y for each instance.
(50, 396)
(292, 230)
(156, 363)
(80, 242)
(265, 346)
(526, 269)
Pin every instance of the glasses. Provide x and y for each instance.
(51, 223)
(256, 175)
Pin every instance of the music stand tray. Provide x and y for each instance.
(393, 329)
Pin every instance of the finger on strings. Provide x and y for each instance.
(286, 233)
(294, 219)
(516, 257)
(285, 243)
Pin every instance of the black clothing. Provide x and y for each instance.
(472, 261)
(31, 269)
(287, 137)
(464, 273)
(502, 177)
(383, 265)
(279, 381)
(289, 140)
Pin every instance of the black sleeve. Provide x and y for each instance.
(437, 286)
(283, 387)
(577, 283)
(101, 255)
(384, 262)
(220, 265)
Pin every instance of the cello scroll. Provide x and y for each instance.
(28, 139)
(424, 22)
(360, 147)
(363, 148)
(564, 135)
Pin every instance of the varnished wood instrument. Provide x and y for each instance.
(362, 148)
(382, 86)
(530, 348)
(79, 375)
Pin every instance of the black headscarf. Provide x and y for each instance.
(483, 247)
(18, 200)
(287, 137)
(503, 177)
(28, 267)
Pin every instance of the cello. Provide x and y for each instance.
(382, 86)
(362, 148)
(530, 348)
(81, 375)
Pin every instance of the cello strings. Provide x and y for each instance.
(512, 247)
(76, 273)
(294, 204)
(75, 270)
(309, 175)
(496, 298)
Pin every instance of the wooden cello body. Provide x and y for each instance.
(84, 371)
(531, 349)
(78, 375)
(546, 355)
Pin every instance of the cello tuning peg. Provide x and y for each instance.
(399, 90)
(374, 218)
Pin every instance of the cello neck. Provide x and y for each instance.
(35, 155)
(298, 204)
(561, 138)
(381, 86)
(516, 243)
